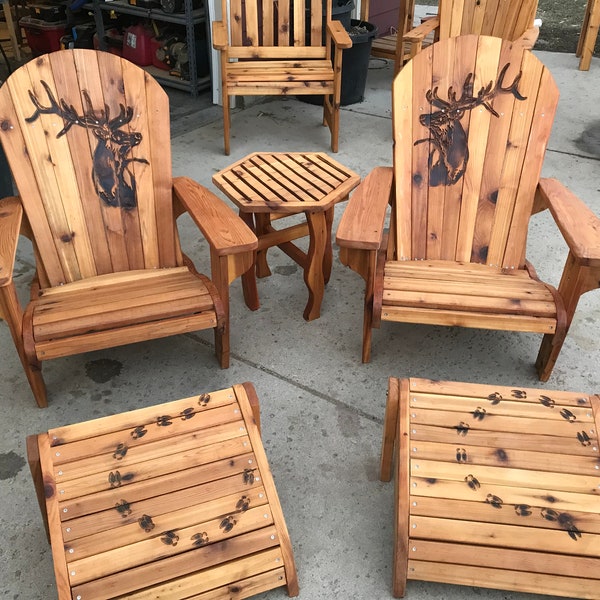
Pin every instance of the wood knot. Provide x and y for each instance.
(67, 237)
(5, 125)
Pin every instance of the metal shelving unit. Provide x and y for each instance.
(190, 18)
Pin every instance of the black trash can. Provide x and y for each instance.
(355, 65)
(355, 62)
(341, 10)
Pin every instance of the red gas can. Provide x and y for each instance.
(137, 45)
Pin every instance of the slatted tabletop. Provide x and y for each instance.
(287, 182)
(503, 487)
(172, 501)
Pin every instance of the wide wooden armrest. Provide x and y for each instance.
(339, 35)
(420, 32)
(219, 35)
(529, 38)
(11, 216)
(579, 226)
(362, 223)
(223, 229)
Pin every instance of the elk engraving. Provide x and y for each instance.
(449, 154)
(113, 178)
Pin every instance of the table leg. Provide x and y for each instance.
(328, 253)
(263, 225)
(313, 272)
(249, 286)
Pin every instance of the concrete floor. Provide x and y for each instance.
(322, 409)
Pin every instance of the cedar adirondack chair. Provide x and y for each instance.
(471, 120)
(389, 46)
(280, 47)
(509, 19)
(84, 133)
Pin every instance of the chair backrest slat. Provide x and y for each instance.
(95, 179)
(472, 116)
(507, 19)
(269, 23)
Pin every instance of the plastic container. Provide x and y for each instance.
(341, 10)
(43, 37)
(51, 13)
(355, 62)
(114, 41)
(137, 45)
(355, 65)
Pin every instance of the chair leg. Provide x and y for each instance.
(13, 314)
(331, 118)
(226, 123)
(33, 458)
(576, 280)
(402, 489)
(390, 427)
(249, 286)
(368, 309)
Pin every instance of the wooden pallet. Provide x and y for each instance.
(172, 501)
(496, 487)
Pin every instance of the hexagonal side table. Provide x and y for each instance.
(266, 186)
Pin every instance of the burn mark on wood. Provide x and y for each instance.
(123, 508)
(547, 401)
(112, 176)
(566, 414)
(461, 455)
(120, 451)
(523, 510)
(449, 149)
(501, 455)
(146, 523)
(462, 428)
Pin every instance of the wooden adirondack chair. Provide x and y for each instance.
(391, 45)
(508, 19)
(86, 135)
(281, 47)
(471, 120)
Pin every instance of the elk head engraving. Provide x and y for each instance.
(113, 179)
(449, 153)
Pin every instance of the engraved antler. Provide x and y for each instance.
(468, 101)
(64, 110)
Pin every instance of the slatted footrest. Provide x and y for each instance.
(172, 501)
(497, 487)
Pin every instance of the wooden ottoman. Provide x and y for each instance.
(495, 486)
(172, 501)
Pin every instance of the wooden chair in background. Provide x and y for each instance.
(84, 133)
(589, 34)
(471, 120)
(508, 19)
(389, 46)
(281, 47)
